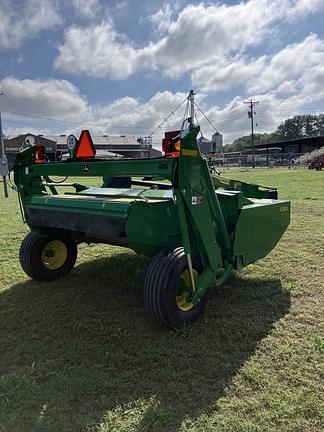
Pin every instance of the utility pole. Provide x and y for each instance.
(251, 113)
(3, 159)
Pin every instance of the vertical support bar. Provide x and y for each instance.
(252, 136)
(5, 187)
(191, 99)
(185, 236)
(3, 159)
(192, 279)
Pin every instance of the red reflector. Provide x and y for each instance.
(167, 145)
(85, 147)
(39, 155)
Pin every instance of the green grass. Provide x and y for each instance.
(79, 354)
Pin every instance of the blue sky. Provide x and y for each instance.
(119, 67)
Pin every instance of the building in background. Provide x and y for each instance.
(276, 153)
(217, 141)
(205, 145)
(292, 146)
(122, 145)
(106, 146)
(15, 144)
(215, 145)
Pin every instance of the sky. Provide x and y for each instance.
(121, 67)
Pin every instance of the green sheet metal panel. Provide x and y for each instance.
(95, 219)
(74, 203)
(231, 202)
(153, 226)
(259, 228)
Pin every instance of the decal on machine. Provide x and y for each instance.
(196, 200)
(284, 208)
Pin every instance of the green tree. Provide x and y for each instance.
(240, 143)
(300, 126)
(245, 141)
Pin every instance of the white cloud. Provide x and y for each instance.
(87, 8)
(22, 22)
(51, 98)
(290, 64)
(232, 119)
(210, 42)
(161, 19)
(226, 74)
(61, 100)
(13, 131)
(313, 82)
(294, 74)
(200, 35)
(302, 7)
(287, 87)
(130, 116)
(96, 51)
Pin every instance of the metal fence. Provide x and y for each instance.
(245, 161)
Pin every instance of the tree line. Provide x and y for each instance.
(299, 126)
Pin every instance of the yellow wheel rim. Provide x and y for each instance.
(182, 299)
(54, 254)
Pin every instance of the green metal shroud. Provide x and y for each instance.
(222, 224)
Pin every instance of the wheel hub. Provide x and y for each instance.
(54, 254)
(183, 298)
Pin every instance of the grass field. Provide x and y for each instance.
(80, 354)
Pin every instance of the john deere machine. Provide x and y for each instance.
(195, 226)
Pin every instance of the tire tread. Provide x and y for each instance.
(29, 257)
(160, 275)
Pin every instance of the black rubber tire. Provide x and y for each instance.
(160, 288)
(30, 257)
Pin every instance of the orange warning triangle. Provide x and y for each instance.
(85, 147)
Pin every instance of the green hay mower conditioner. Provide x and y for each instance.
(195, 226)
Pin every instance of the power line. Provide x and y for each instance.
(206, 117)
(167, 118)
(231, 113)
(35, 116)
(223, 117)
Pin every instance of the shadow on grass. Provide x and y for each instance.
(80, 352)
